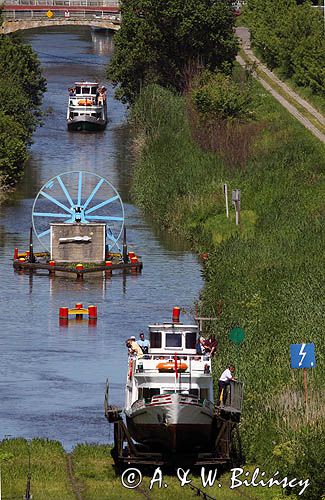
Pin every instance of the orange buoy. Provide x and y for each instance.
(169, 367)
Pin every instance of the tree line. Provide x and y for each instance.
(290, 37)
(21, 89)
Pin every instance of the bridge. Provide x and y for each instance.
(28, 14)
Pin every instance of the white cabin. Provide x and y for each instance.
(155, 374)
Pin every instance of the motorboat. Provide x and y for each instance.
(87, 107)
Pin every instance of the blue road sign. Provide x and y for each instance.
(302, 355)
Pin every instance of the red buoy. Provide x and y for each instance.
(131, 254)
(78, 305)
(176, 313)
(92, 312)
(16, 254)
(79, 267)
(52, 263)
(64, 313)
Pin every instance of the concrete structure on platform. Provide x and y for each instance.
(78, 242)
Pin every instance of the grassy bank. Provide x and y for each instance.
(91, 476)
(268, 274)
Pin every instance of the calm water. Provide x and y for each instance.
(52, 379)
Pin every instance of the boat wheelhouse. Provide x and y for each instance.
(87, 108)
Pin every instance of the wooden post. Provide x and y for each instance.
(306, 387)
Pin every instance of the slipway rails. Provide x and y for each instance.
(222, 451)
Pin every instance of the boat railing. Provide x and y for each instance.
(171, 357)
(235, 396)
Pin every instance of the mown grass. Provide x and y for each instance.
(49, 479)
(268, 274)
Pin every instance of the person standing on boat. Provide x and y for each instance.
(134, 348)
(143, 343)
(224, 382)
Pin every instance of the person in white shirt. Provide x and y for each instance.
(224, 382)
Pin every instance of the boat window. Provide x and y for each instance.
(93, 114)
(190, 340)
(173, 340)
(155, 340)
(75, 114)
(85, 90)
(78, 90)
(204, 393)
(194, 392)
(148, 392)
(93, 90)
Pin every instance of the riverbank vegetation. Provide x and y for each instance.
(21, 89)
(267, 274)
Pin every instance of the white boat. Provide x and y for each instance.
(87, 107)
(169, 404)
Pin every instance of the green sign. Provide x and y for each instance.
(237, 335)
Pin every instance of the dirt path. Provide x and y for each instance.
(244, 37)
(75, 485)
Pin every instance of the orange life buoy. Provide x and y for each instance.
(85, 102)
(169, 366)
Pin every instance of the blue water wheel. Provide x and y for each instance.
(82, 197)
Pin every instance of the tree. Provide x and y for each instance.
(159, 39)
(19, 62)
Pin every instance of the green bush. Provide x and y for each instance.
(220, 97)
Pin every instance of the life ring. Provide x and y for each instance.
(85, 102)
(130, 369)
(169, 367)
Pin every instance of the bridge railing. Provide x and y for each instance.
(67, 3)
(28, 15)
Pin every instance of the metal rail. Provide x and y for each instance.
(93, 15)
(58, 3)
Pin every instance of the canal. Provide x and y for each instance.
(52, 379)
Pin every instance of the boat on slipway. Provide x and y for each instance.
(170, 408)
(87, 108)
